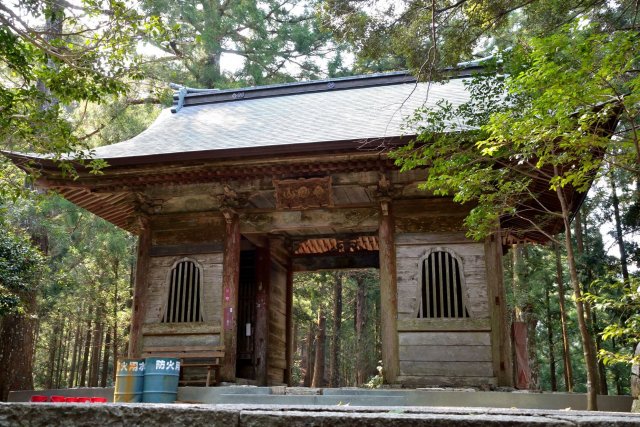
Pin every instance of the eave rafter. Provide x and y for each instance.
(114, 195)
(335, 245)
(116, 208)
(119, 179)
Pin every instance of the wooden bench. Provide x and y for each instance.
(205, 356)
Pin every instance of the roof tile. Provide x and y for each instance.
(317, 117)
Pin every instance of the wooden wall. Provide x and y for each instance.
(276, 359)
(176, 238)
(177, 334)
(443, 351)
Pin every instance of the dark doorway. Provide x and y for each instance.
(245, 364)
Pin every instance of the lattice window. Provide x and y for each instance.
(185, 294)
(442, 287)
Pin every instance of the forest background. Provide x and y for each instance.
(77, 75)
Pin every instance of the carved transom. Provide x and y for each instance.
(303, 193)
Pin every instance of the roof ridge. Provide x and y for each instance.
(204, 96)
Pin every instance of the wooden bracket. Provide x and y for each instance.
(147, 205)
(383, 193)
(138, 223)
(229, 214)
(230, 199)
(384, 206)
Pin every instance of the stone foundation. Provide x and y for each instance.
(48, 414)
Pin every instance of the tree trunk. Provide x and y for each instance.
(62, 355)
(53, 341)
(577, 231)
(616, 215)
(550, 341)
(117, 351)
(602, 370)
(85, 358)
(96, 346)
(588, 347)
(318, 368)
(334, 362)
(566, 354)
(360, 321)
(105, 359)
(308, 359)
(531, 319)
(16, 348)
(592, 324)
(74, 357)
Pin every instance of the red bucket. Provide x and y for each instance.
(39, 398)
(71, 399)
(58, 399)
(83, 399)
(98, 400)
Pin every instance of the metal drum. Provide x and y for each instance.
(129, 380)
(161, 378)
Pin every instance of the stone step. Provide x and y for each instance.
(363, 392)
(82, 414)
(346, 400)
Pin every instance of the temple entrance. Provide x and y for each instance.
(301, 318)
(245, 365)
(336, 328)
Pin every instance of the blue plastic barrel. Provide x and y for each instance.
(161, 378)
(129, 380)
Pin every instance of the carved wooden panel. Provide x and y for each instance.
(303, 193)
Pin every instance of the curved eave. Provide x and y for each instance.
(113, 194)
(376, 145)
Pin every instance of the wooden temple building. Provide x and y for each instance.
(232, 191)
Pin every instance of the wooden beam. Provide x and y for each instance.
(336, 262)
(262, 316)
(172, 250)
(388, 294)
(257, 240)
(445, 325)
(500, 336)
(140, 289)
(333, 219)
(230, 283)
(180, 329)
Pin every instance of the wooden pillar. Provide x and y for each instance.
(262, 316)
(289, 350)
(500, 330)
(141, 285)
(230, 283)
(388, 294)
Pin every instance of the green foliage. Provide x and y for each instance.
(84, 278)
(86, 53)
(377, 380)
(427, 36)
(21, 268)
(543, 122)
(620, 302)
(277, 41)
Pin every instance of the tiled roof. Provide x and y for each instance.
(304, 117)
